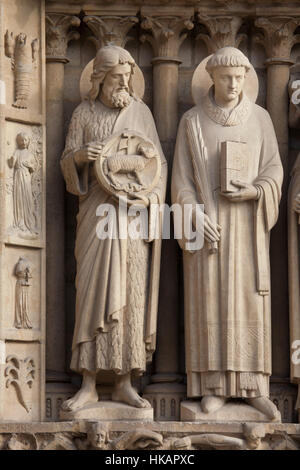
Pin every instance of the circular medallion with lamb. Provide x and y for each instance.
(129, 165)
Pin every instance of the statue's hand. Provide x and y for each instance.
(296, 204)
(87, 153)
(246, 192)
(211, 230)
(10, 162)
(182, 443)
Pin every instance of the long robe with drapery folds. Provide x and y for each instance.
(117, 279)
(294, 271)
(24, 211)
(227, 294)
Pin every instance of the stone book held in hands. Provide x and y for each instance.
(233, 164)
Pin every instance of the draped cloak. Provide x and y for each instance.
(227, 294)
(294, 270)
(101, 264)
(24, 212)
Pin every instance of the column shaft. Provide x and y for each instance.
(56, 347)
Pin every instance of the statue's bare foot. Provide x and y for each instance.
(127, 394)
(87, 393)
(80, 399)
(211, 403)
(265, 405)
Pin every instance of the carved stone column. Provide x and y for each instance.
(110, 28)
(223, 31)
(58, 35)
(166, 34)
(278, 38)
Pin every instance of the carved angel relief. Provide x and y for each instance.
(20, 373)
(23, 275)
(23, 61)
(25, 185)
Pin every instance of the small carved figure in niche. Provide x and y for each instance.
(23, 58)
(23, 162)
(23, 274)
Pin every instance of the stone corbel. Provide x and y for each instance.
(110, 29)
(58, 35)
(222, 31)
(166, 32)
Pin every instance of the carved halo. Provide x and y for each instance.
(128, 165)
(201, 82)
(138, 81)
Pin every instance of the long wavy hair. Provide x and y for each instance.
(106, 58)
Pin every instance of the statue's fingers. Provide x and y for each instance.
(239, 184)
(93, 150)
(92, 154)
(212, 233)
(213, 229)
(97, 148)
(233, 196)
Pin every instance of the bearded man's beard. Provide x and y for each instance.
(120, 99)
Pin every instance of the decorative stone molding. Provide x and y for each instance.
(110, 29)
(156, 437)
(223, 31)
(58, 35)
(277, 37)
(166, 32)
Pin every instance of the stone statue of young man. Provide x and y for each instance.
(227, 282)
(117, 279)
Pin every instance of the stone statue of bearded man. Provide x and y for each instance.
(117, 279)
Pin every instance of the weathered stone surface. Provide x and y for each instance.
(241, 412)
(130, 435)
(108, 411)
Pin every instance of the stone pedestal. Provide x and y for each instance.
(230, 412)
(108, 411)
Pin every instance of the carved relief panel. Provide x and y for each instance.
(22, 61)
(24, 166)
(22, 292)
(20, 381)
(22, 214)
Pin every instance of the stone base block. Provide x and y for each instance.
(108, 411)
(230, 412)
